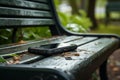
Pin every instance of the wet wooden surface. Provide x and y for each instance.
(82, 62)
(17, 13)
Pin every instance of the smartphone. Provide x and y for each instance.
(51, 49)
(49, 46)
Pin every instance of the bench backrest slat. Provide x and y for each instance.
(44, 1)
(23, 13)
(13, 22)
(24, 4)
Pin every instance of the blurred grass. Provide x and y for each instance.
(111, 28)
(100, 14)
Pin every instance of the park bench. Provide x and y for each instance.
(92, 52)
(112, 6)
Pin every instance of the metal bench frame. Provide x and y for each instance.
(55, 27)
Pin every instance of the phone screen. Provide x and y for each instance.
(49, 46)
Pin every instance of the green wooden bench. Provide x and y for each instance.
(112, 6)
(92, 52)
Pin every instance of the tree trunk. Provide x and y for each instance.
(91, 13)
(73, 4)
(83, 4)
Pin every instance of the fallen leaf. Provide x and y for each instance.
(69, 54)
(115, 69)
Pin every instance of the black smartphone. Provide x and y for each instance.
(51, 49)
(49, 46)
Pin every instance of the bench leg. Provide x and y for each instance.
(14, 35)
(103, 71)
(107, 17)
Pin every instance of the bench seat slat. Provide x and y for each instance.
(88, 50)
(14, 48)
(23, 47)
(45, 1)
(24, 4)
(91, 55)
(4, 11)
(4, 22)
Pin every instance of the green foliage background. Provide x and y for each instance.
(5, 36)
(76, 23)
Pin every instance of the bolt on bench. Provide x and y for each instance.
(92, 52)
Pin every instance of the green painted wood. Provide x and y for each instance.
(14, 22)
(23, 13)
(24, 4)
(45, 1)
(26, 59)
(79, 41)
(71, 38)
(23, 47)
(91, 56)
(86, 51)
(82, 41)
(18, 48)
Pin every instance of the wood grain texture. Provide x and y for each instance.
(92, 55)
(24, 4)
(14, 22)
(14, 12)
